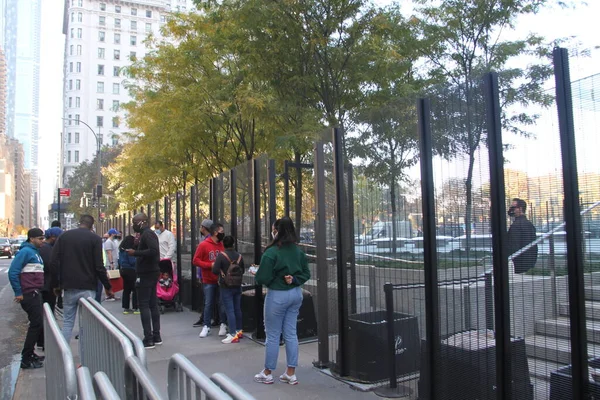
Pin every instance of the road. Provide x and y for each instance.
(13, 325)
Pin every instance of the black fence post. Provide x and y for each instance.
(272, 195)
(167, 213)
(489, 301)
(194, 280)
(258, 294)
(432, 318)
(286, 187)
(233, 205)
(156, 211)
(573, 227)
(350, 237)
(178, 237)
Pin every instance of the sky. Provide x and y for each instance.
(580, 23)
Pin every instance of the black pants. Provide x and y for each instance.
(148, 303)
(128, 275)
(49, 297)
(32, 305)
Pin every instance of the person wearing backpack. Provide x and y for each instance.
(229, 266)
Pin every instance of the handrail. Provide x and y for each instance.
(104, 388)
(138, 345)
(184, 380)
(138, 383)
(230, 387)
(85, 384)
(61, 381)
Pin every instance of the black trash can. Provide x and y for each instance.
(561, 382)
(367, 338)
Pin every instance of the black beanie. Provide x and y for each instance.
(34, 232)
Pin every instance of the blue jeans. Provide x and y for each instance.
(231, 301)
(210, 298)
(99, 289)
(70, 299)
(281, 314)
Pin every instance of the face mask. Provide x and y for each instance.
(137, 227)
(511, 211)
(220, 236)
(158, 232)
(274, 235)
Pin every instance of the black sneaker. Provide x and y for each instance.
(38, 358)
(157, 340)
(148, 344)
(198, 323)
(31, 364)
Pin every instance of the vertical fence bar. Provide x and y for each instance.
(432, 321)
(156, 213)
(286, 187)
(258, 297)
(167, 212)
(341, 251)
(233, 205)
(350, 237)
(499, 238)
(194, 280)
(149, 208)
(178, 237)
(573, 228)
(211, 200)
(272, 194)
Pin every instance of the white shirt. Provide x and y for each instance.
(166, 242)
(111, 244)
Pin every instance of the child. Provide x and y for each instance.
(165, 280)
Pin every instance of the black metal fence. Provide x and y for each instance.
(425, 210)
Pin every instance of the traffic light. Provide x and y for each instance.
(99, 191)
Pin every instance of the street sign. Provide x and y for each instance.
(64, 192)
(69, 215)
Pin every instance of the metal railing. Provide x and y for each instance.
(93, 388)
(186, 382)
(61, 381)
(103, 346)
(139, 385)
(104, 388)
(136, 342)
(85, 384)
(230, 387)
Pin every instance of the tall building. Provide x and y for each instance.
(102, 37)
(7, 188)
(2, 92)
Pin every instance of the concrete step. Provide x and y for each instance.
(554, 349)
(560, 327)
(592, 293)
(592, 310)
(541, 369)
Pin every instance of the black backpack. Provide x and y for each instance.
(234, 275)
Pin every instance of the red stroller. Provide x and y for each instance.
(167, 288)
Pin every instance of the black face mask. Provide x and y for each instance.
(511, 211)
(220, 236)
(137, 227)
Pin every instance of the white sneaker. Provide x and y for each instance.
(205, 331)
(230, 339)
(291, 380)
(263, 378)
(223, 330)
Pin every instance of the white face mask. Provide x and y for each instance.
(273, 235)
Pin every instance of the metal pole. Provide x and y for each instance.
(156, 211)
(322, 267)
(178, 227)
(193, 191)
(573, 228)
(211, 200)
(350, 237)
(167, 214)
(499, 239)
(272, 199)
(432, 318)
(233, 211)
(286, 187)
(341, 251)
(489, 301)
(58, 204)
(258, 297)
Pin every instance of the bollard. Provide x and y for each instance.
(489, 302)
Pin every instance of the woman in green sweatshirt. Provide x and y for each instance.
(283, 269)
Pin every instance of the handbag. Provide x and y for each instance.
(113, 273)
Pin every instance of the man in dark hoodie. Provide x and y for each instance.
(147, 271)
(26, 276)
(521, 233)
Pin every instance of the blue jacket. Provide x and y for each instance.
(26, 272)
(126, 261)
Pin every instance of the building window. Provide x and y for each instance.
(102, 20)
(72, 17)
(70, 119)
(133, 40)
(76, 155)
(69, 156)
(116, 88)
(102, 6)
(115, 106)
(72, 33)
(76, 119)
(100, 104)
(148, 14)
(71, 67)
(116, 71)
(118, 9)
(78, 67)
(115, 122)
(117, 38)
(77, 102)
(79, 17)
(76, 137)
(132, 56)
(100, 121)
(101, 52)
(79, 49)
(69, 137)
(117, 22)
(100, 69)
(71, 50)
(115, 140)
(79, 33)
(134, 25)
(163, 18)
(134, 11)
(101, 36)
(100, 87)
(70, 84)
(70, 102)
(78, 84)
(117, 54)
(148, 27)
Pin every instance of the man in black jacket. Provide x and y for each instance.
(46, 253)
(77, 263)
(147, 271)
(521, 233)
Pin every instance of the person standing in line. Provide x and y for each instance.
(46, 253)
(111, 249)
(205, 257)
(26, 276)
(166, 241)
(283, 269)
(55, 224)
(77, 263)
(520, 234)
(204, 231)
(147, 271)
(230, 263)
(127, 268)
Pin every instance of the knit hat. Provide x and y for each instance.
(34, 232)
(55, 231)
(207, 223)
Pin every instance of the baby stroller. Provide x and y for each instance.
(167, 290)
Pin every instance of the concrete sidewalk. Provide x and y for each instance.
(240, 361)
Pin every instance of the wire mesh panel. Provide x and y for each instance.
(223, 199)
(245, 219)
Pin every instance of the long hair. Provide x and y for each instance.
(127, 243)
(286, 233)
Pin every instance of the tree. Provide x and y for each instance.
(466, 38)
